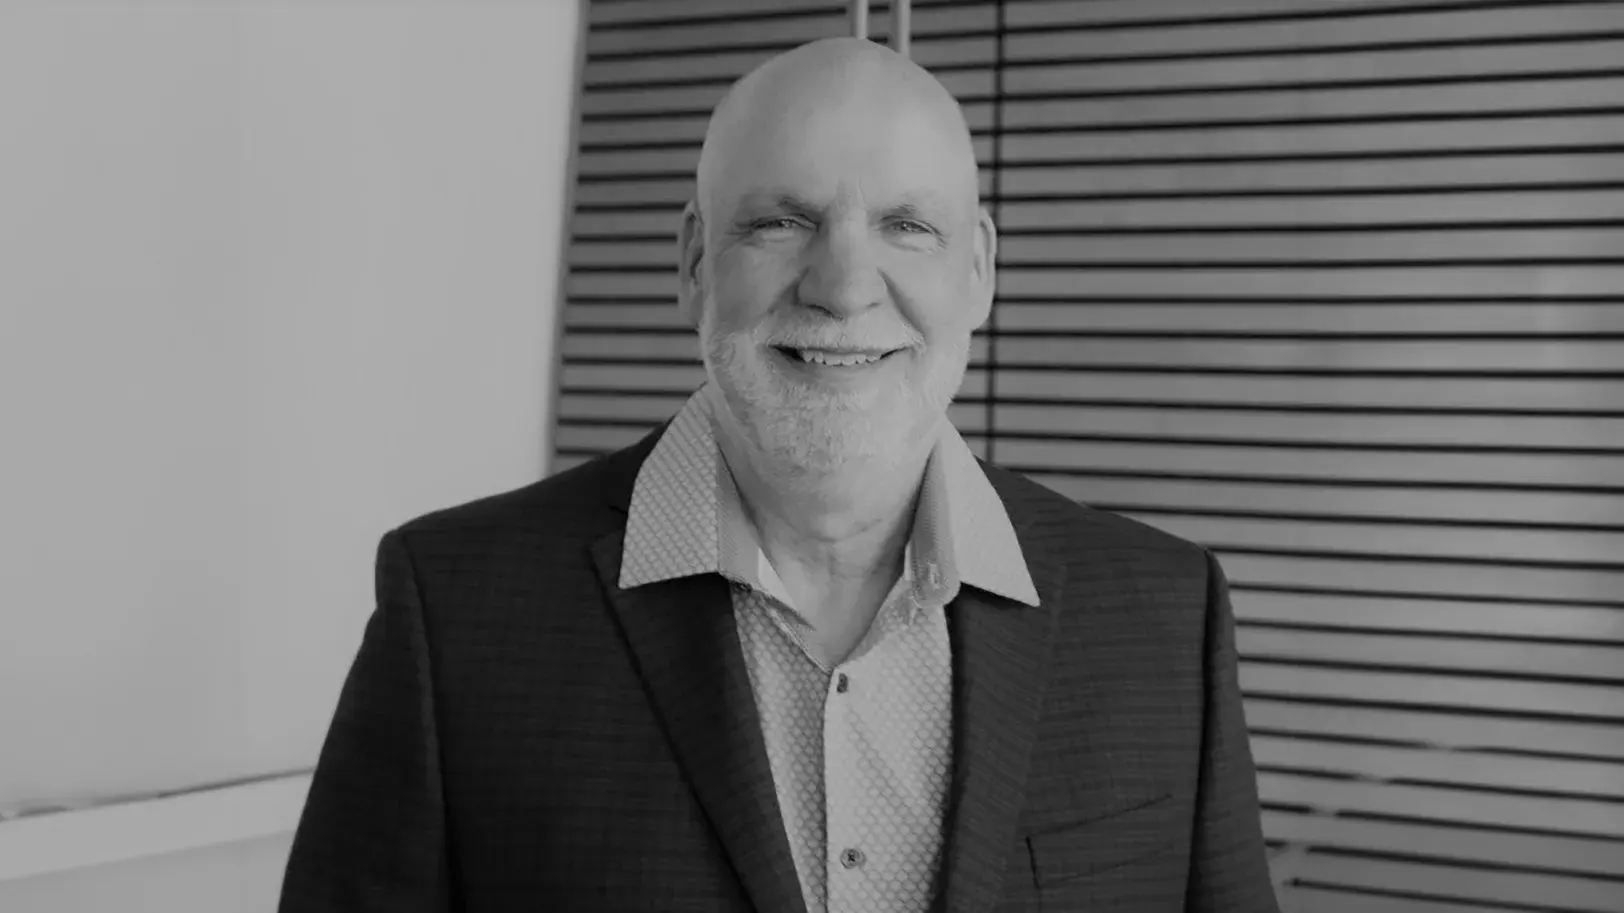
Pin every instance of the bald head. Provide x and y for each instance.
(834, 88)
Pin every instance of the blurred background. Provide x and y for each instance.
(1334, 287)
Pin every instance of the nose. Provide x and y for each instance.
(842, 275)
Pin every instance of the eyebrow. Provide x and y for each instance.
(775, 200)
(908, 208)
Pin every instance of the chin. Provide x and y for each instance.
(813, 432)
(802, 430)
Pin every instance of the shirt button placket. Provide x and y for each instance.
(843, 798)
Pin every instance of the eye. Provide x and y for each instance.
(777, 223)
(909, 225)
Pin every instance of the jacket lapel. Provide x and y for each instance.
(685, 645)
(1001, 668)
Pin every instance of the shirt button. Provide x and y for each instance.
(852, 858)
(841, 683)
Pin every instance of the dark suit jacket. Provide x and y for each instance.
(518, 734)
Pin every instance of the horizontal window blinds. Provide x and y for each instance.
(1335, 288)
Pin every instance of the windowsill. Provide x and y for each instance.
(63, 841)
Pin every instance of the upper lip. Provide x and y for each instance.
(835, 351)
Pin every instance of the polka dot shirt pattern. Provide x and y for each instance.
(861, 752)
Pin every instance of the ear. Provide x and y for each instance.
(690, 254)
(984, 266)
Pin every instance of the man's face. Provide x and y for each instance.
(845, 264)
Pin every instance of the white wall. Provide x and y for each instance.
(274, 277)
(239, 877)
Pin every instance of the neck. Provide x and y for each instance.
(848, 526)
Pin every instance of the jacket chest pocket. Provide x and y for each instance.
(1134, 859)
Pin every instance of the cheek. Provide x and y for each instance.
(745, 284)
(939, 305)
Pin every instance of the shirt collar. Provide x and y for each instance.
(685, 518)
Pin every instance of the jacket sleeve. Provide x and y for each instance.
(372, 836)
(1229, 870)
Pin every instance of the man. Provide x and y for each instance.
(798, 649)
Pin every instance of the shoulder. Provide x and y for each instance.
(569, 493)
(1147, 597)
(1072, 532)
(573, 507)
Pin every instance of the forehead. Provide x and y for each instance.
(850, 154)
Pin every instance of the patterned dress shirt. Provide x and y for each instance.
(860, 753)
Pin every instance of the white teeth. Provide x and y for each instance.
(830, 358)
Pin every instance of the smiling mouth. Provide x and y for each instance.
(835, 359)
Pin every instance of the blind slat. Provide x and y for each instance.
(1253, 496)
(1407, 577)
(1536, 432)
(1561, 816)
(1526, 134)
(1600, 662)
(1323, 105)
(1350, 355)
(787, 30)
(603, 16)
(1327, 34)
(1330, 900)
(1308, 68)
(1551, 891)
(1418, 393)
(1414, 538)
(1467, 768)
(1508, 848)
(1330, 464)
(728, 65)
(1408, 209)
(1418, 245)
(633, 377)
(1503, 619)
(1435, 689)
(1116, 13)
(1458, 730)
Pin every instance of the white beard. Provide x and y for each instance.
(801, 431)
